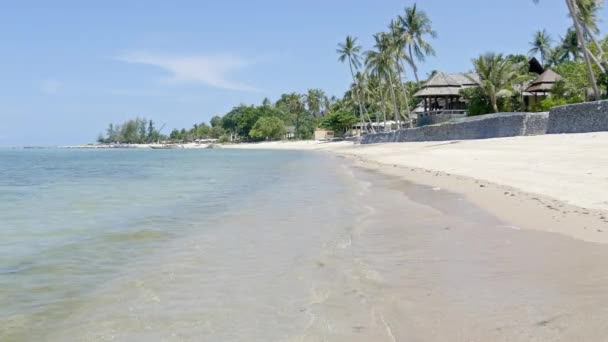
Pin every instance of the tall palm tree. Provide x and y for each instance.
(295, 106)
(577, 10)
(398, 40)
(541, 44)
(382, 63)
(496, 73)
(376, 90)
(569, 45)
(349, 50)
(315, 101)
(416, 26)
(556, 55)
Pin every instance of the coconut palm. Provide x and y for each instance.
(398, 43)
(541, 44)
(579, 11)
(496, 74)
(381, 63)
(555, 56)
(569, 45)
(416, 26)
(375, 92)
(349, 50)
(315, 99)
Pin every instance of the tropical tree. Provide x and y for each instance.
(582, 13)
(315, 100)
(416, 25)
(350, 50)
(268, 127)
(398, 42)
(381, 63)
(496, 73)
(339, 121)
(569, 46)
(541, 44)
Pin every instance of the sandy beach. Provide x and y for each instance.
(555, 183)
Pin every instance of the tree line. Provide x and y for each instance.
(380, 90)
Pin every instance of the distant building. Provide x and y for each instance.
(323, 134)
(291, 132)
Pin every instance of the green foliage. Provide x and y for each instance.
(216, 121)
(137, 131)
(550, 102)
(479, 102)
(339, 121)
(575, 78)
(268, 128)
(496, 73)
(224, 139)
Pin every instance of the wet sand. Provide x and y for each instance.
(554, 183)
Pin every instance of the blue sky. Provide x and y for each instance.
(68, 68)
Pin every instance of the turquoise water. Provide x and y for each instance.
(74, 221)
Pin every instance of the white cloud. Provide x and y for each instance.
(209, 70)
(50, 86)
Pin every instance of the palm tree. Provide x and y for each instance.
(381, 63)
(295, 106)
(315, 101)
(376, 90)
(570, 46)
(349, 50)
(541, 44)
(416, 25)
(579, 12)
(556, 55)
(496, 73)
(398, 40)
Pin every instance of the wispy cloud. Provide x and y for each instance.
(213, 70)
(50, 87)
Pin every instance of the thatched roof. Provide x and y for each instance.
(444, 84)
(544, 82)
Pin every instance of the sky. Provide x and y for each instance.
(69, 68)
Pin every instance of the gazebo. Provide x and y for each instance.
(542, 85)
(441, 93)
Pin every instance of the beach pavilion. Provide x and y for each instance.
(540, 87)
(441, 93)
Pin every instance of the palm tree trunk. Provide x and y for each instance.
(394, 98)
(383, 106)
(572, 7)
(414, 67)
(407, 102)
(494, 103)
(352, 74)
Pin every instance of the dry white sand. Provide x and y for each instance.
(555, 183)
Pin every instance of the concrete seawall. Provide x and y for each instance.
(577, 118)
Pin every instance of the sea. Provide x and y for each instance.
(248, 245)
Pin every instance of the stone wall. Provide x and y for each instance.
(579, 118)
(477, 127)
(575, 118)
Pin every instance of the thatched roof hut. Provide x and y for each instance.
(442, 91)
(544, 83)
(443, 84)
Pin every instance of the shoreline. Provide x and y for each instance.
(551, 183)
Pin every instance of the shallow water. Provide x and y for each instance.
(222, 245)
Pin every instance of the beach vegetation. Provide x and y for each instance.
(268, 128)
(339, 121)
